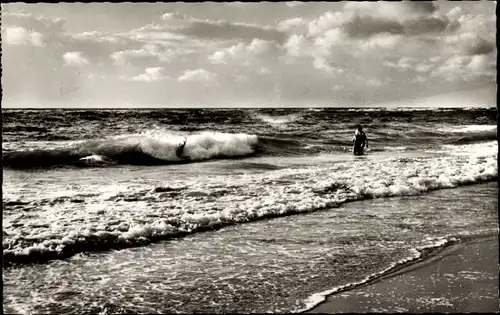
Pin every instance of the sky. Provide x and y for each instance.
(263, 54)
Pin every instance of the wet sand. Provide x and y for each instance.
(462, 278)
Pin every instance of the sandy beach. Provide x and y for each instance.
(462, 278)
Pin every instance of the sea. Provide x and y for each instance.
(263, 210)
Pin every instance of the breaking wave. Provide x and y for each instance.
(158, 147)
(194, 207)
(149, 148)
(278, 120)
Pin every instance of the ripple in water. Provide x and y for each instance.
(272, 265)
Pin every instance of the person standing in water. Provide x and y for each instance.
(359, 140)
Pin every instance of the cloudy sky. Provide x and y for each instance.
(249, 54)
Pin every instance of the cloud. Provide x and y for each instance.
(20, 36)
(98, 37)
(359, 26)
(159, 33)
(33, 28)
(398, 11)
(294, 4)
(219, 57)
(179, 24)
(430, 24)
(33, 60)
(326, 65)
(297, 45)
(369, 31)
(125, 56)
(352, 51)
(170, 16)
(470, 44)
(50, 33)
(366, 26)
(366, 19)
(293, 24)
(75, 58)
(477, 23)
(423, 67)
(98, 46)
(30, 21)
(374, 83)
(454, 13)
(329, 20)
(482, 64)
(237, 4)
(259, 46)
(405, 63)
(151, 74)
(227, 30)
(201, 75)
(381, 41)
(468, 68)
(263, 71)
(451, 67)
(147, 54)
(245, 54)
(418, 79)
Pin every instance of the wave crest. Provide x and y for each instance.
(278, 120)
(148, 148)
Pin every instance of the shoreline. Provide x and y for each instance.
(462, 277)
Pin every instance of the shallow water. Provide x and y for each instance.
(272, 265)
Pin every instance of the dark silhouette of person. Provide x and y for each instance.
(360, 141)
(180, 149)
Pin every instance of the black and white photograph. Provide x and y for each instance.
(249, 157)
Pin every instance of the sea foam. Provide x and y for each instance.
(147, 148)
(140, 216)
(418, 254)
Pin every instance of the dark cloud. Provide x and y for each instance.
(422, 7)
(408, 17)
(361, 26)
(426, 25)
(227, 30)
(175, 23)
(478, 46)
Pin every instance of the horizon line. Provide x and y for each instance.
(273, 107)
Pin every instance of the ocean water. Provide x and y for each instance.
(101, 215)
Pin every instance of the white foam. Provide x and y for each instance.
(164, 145)
(95, 160)
(278, 119)
(472, 150)
(400, 148)
(416, 254)
(469, 128)
(212, 144)
(136, 216)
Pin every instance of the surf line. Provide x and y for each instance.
(424, 254)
